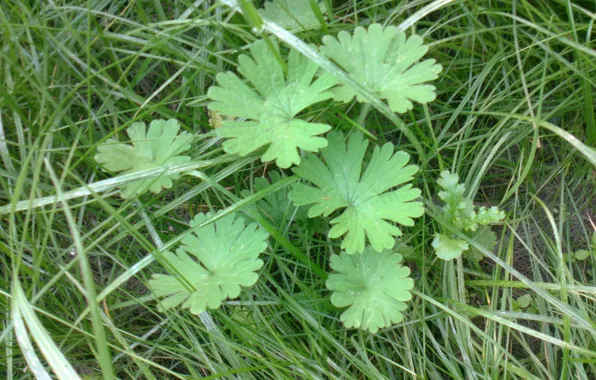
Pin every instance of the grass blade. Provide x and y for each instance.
(23, 315)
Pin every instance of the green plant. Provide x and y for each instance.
(374, 286)
(384, 61)
(370, 198)
(159, 146)
(271, 106)
(460, 212)
(292, 14)
(76, 257)
(223, 257)
(276, 207)
(524, 304)
(340, 184)
(583, 254)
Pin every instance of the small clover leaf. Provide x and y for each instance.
(367, 203)
(212, 264)
(291, 14)
(271, 106)
(374, 285)
(447, 248)
(153, 148)
(383, 60)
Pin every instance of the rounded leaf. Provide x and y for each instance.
(374, 286)
(213, 263)
(447, 248)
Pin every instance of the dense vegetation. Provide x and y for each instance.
(478, 188)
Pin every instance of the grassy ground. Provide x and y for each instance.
(74, 73)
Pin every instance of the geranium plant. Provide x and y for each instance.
(367, 193)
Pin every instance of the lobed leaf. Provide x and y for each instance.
(158, 146)
(374, 285)
(460, 211)
(368, 207)
(486, 238)
(384, 61)
(212, 264)
(276, 206)
(270, 105)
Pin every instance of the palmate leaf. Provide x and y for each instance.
(374, 285)
(158, 146)
(212, 264)
(291, 14)
(383, 60)
(270, 105)
(367, 205)
(276, 206)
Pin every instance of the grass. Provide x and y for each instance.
(514, 117)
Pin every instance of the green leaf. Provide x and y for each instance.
(374, 285)
(276, 206)
(153, 148)
(384, 61)
(452, 193)
(367, 205)
(470, 220)
(407, 251)
(447, 248)
(291, 14)
(524, 301)
(212, 264)
(23, 315)
(594, 240)
(581, 254)
(271, 105)
(486, 238)
(460, 211)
